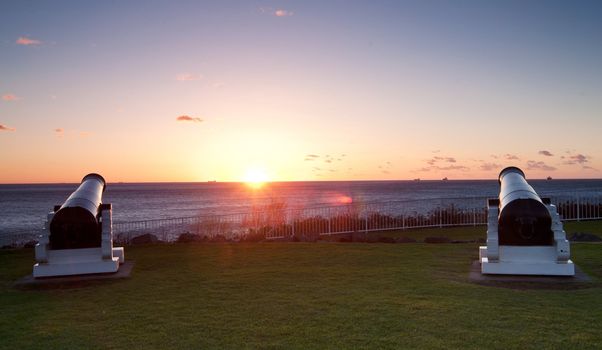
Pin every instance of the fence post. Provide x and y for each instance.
(441, 216)
(578, 209)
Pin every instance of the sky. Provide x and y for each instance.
(294, 91)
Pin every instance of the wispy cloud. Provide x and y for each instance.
(23, 40)
(6, 128)
(437, 159)
(311, 157)
(577, 159)
(186, 118)
(276, 12)
(10, 97)
(533, 165)
(188, 77)
(60, 132)
(435, 164)
(490, 166)
(449, 167)
(509, 156)
(545, 153)
(283, 13)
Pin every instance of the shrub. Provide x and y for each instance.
(189, 237)
(437, 240)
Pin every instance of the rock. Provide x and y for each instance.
(584, 237)
(437, 240)
(146, 238)
(405, 240)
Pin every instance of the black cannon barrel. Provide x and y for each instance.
(76, 223)
(523, 218)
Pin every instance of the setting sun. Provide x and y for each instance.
(255, 177)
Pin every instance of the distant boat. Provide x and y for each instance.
(418, 179)
(549, 178)
(444, 179)
(212, 181)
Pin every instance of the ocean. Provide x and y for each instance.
(24, 207)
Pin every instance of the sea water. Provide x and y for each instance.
(24, 207)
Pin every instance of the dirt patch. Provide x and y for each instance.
(579, 281)
(70, 282)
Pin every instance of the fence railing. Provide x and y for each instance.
(276, 220)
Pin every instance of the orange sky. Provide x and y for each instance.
(307, 92)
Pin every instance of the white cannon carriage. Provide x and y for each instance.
(524, 233)
(77, 238)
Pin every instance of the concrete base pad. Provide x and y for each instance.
(75, 281)
(580, 280)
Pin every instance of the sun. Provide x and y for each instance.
(255, 177)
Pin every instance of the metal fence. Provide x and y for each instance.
(276, 220)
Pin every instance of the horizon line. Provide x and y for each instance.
(282, 181)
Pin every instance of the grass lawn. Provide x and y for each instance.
(300, 295)
(476, 232)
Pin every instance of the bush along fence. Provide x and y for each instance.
(277, 221)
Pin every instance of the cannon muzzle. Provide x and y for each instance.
(76, 224)
(523, 218)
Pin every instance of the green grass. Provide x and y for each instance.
(476, 232)
(300, 295)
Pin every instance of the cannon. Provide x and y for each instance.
(78, 235)
(77, 224)
(523, 217)
(524, 232)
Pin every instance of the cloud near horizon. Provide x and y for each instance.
(533, 165)
(545, 153)
(186, 118)
(449, 167)
(490, 166)
(10, 97)
(23, 40)
(436, 159)
(6, 128)
(578, 159)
